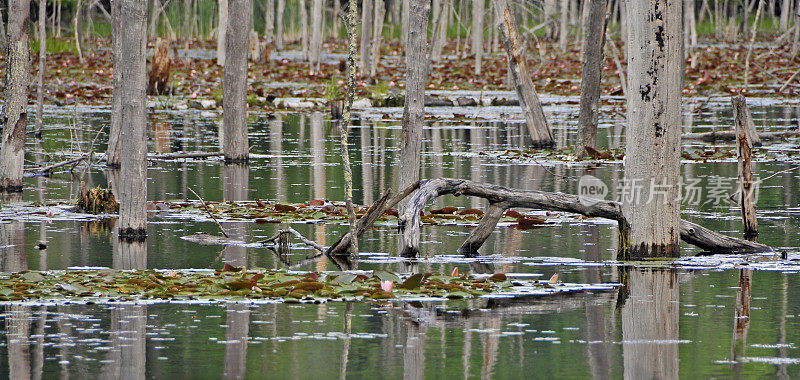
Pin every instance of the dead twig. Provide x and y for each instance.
(47, 169)
(209, 212)
(290, 230)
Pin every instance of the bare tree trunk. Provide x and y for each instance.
(518, 68)
(279, 25)
(2, 34)
(344, 124)
(76, 23)
(550, 14)
(477, 33)
(234, 85)
(440, 31)
(796, 39)
(366, 35)
(186, 28)
(745, 128)
(130, 67)
(15, 113)
(113, 150)
(416, 82)
(655, 75)
(563, 29)
(377, 31)
(337, 9)
(304, 29)
(222, 27)
(315, 50)
(784, 24)
(42, 66)
(591, 75)
(269, 22)
(404, 24)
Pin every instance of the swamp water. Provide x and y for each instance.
(689, 319)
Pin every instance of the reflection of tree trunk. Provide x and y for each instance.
(14, 257)
(650, 325)
(741, 321)
(128, 255)
(598, 348)
(236, 335)
(19, 355)
(414, 352)
(491, 345)
(235, 187)
(276, 149)
(318, 153)
(128, 354)
(348, 310)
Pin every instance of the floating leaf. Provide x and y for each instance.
(412, 282)
(386, 276)
(345, 278)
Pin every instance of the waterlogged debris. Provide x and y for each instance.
(240, 284)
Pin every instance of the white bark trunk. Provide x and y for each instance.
(234, 85)
(477, 33)
(315, 49)
(377, 38)
(222, 27)
(42, 66)
(518, 69)
(563, 29)
(591, 75)
(366, 35)
(304, 30)
(15, 113)
(652, 168)
(130, 67)
(269, 20)
(279, 25)
(416, 82)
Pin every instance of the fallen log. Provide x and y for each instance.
(374, 212)
(502, 198)
(731, 136)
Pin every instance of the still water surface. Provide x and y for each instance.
(666, 323)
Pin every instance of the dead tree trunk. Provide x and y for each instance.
(304, 29)
(591, 75)
(416, 81)
(366, 35)
(222, 27)
(269, 21)
(502, 198)
(186, 27)
(652, 163)
(279, 25)
(131, 68)
(377, 31)
(15, 112)
(42, 66)
(550, 13)
(563, 28)
(744, 124)
(234, 85)
(528, 99)
(477, 34)
(315, 49)
(113, 150)
(404, 24)
(439, 29)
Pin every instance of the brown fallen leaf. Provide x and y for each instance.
(553, 279)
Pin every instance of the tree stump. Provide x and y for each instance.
(160, 67)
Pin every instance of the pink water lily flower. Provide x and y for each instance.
(387, 285)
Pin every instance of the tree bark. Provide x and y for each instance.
(113, 150)
(439, 30)
(477, 34)
(744, 130)
(234, 84)
(404, 24)
(550, 14)
(563, 28)
(502, 198)
(15, 112)
(76, 23)
(222, 28)
(652, 164)
(416, 82)
(42, 66)
(186, 28)
(366, 35)
(784, 23)
(304, 30)
(269, 21)
(528, 99)
(591, 74)
(279, 24)
(315, 49)
(130, 67)
(377, 31)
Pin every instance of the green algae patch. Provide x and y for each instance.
(240, 284)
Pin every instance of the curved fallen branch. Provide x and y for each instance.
(502, 198)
